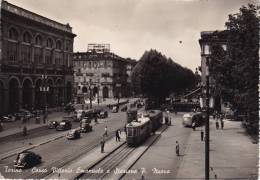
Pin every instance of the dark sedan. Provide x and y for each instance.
(27, 159)
(73, 134)
(103, 114)
(53, 124)
(64, 125)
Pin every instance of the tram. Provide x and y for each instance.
(139, 130)
(199, 118)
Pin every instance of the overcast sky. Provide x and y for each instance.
(133, 26)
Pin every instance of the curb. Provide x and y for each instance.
(31, 147)
(28, 130)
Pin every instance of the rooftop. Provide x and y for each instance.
(35, 17)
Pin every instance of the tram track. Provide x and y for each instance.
(108, 164)
(68, 158)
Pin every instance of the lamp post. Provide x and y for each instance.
(90, 93)
(44, 88)
(118, 85)
(98, 85)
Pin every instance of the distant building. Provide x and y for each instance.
(107, 74)
(32, 46)
(207, 40)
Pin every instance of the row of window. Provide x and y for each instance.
(93, 64)
(86, 79)
(27, 38)
(26, 55)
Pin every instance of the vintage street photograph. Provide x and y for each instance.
(129, 89)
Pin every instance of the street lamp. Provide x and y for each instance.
(44, 88)
(118, 85)
(90, 93)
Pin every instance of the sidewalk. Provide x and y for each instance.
(232, 154)
(12, 128)
(76, 167)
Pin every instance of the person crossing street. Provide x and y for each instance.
(177, 148)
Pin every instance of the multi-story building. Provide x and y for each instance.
(35, 60)
(207, 41)
(101, 73)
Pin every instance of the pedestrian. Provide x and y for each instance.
(201, 135)
(96, 120)
(102, 143)
(166, 120)
(1, 126)
(106, 131)
(222, 123)
(117, 135)
(25, 131)
(125, 130)
(177, 148)
(217, 124)
(193, 125)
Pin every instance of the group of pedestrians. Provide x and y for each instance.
(102, 142)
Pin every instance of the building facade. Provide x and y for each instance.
(207, 41)
(101, 73)
(35, 52)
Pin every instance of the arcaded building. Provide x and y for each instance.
(35, 58)
(101, 73)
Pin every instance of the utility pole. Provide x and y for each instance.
(90, 93)
(207, 124)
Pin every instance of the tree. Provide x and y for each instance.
(236, 71)
(156, 76)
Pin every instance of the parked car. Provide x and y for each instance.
(124, 109)
(64, 125)
(8, 118)
(114, 109)
(78, 115)
(103, 114)
(69, 108)
(26, 113)
(27, 159)
(73, 134)
(53, 124)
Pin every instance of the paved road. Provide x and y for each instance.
(58, 149)
(156, 161)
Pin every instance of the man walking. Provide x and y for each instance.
(222, 123)
(117, 135)
(106, 131)
(177, 148)
(102, 143)
(201, 135)
(217, 124)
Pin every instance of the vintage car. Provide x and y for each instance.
(124, 109)
(53, 124)
(78, 114)
(27, 159)
(73, 134)
(114, 109)
(103, 114)
(8, 118)
(64, 125)
(26, 113)
(85, 125)
(69, 108)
